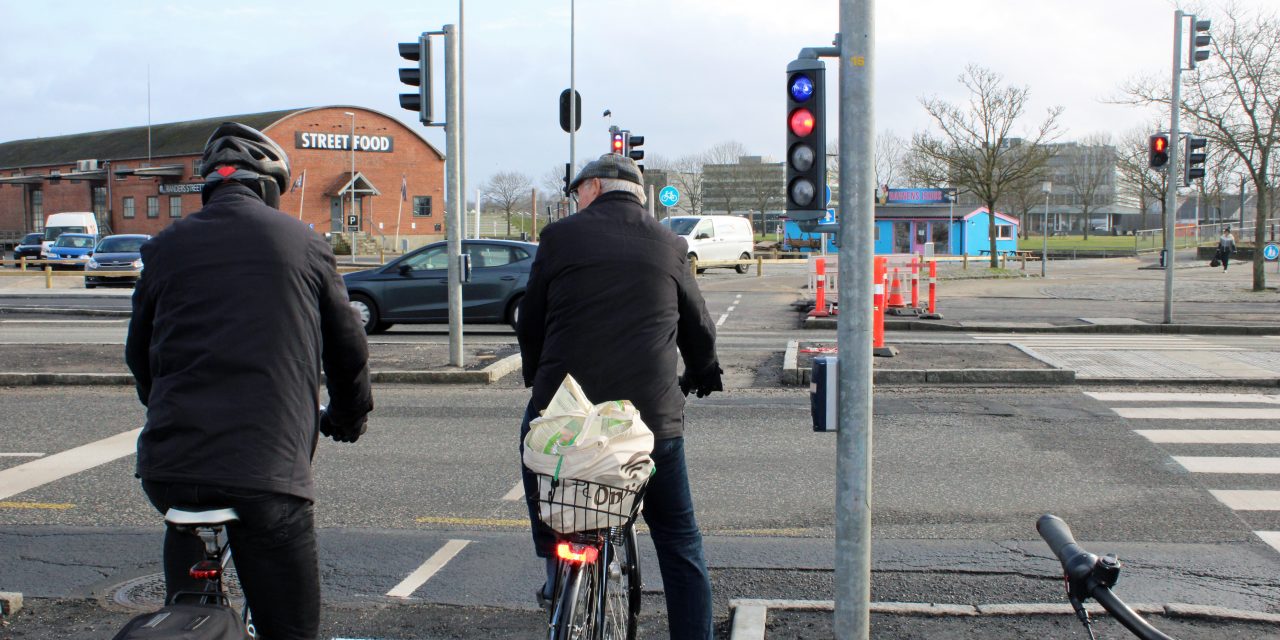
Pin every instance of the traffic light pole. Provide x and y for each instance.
(1171, 189)
(453, 192)
(854, 326)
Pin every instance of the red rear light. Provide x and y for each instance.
(579, 554)
(206, 570)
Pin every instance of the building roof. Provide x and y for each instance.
(169, 139)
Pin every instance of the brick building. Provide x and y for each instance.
(138, 180)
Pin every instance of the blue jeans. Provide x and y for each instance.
(668, 511)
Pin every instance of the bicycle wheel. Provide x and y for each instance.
(621, 568)
(575, 615)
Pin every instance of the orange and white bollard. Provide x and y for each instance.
(932, 313)
(819, 289)
(915, 282)
(879, 297)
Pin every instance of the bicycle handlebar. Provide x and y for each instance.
(1091, 577)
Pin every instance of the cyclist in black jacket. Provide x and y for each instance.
(610, 298)
(239, 307)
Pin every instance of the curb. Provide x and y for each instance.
(1234, 382)
(110, 313)
(487, 375)
(1202, 329)
(793, 375)
(749, 615)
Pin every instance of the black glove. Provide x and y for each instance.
(342, 432)
(703, 383)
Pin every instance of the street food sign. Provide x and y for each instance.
(342, 142)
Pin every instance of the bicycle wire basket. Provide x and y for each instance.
(571, 505)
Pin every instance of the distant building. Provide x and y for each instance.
(748, 187)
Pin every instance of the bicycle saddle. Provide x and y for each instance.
(198, 518)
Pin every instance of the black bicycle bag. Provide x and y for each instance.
(186, 621)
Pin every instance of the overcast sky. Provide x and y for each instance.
(686, 74)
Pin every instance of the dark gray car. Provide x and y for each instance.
(118, 253)
(413, 288)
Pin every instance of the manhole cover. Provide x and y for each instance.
(147, 592)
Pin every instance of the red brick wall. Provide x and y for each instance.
(326, 170)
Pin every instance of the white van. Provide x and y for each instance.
(712, 238)
(70, 222)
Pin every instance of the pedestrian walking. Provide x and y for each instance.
(610, 298)
(1226, 247)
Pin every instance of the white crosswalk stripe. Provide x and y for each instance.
(1092, 341)
(1150, 409)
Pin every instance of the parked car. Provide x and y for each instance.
(29, 247)
(413, 288)
(68, 222)
(75, 247)
(115, 253)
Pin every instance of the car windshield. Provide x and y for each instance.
(74, 242)
(32, 238)
(681, 226)
(120, 245)
(52, 233)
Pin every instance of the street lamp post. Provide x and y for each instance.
(1046, 187)
(352, 186)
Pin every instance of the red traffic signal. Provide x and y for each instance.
(1158, 151)
(802, 122)
(619, 143)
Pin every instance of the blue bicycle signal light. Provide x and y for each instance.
(801, 87)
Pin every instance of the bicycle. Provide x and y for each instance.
(198, 614)
(596, 595)
(1088, 576)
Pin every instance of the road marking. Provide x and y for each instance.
(429, 568)
(56, 506)
(1248, 499)
(472, 522)
(516, 493)
(1196, 413)
(736, 300)
(1210, 436)
(722, 319)
(33, 474)
(1228, 464)
(1270, 537)
(21, 455)
(1257, 398)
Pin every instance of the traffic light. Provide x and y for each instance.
(617, 141)
(419, 52)
(1193, 161)
(565, 114)
(633, 141)
(1199, 52)
(1158, 151)
(806, 142)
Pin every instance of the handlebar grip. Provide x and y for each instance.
(1056, 534)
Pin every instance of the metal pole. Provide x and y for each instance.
(1044, 231)
(478, 213)
(573, 104)
(353, 184)
(855, 324)
(453, 193)
(462, 120)
(1171, 192)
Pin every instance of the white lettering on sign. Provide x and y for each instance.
(343, 142)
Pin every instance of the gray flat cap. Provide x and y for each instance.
(609, 165)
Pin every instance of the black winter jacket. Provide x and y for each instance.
(609, 299)
(237, 307)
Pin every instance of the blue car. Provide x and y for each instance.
(413, 289)
(74, 248)
(120, 253)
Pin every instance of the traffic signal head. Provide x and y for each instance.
(1158, 151)
(806, 142)
(1200, 40)
(1193, 161)
(566, 115)
(617, 142)
(420, 77)
(633, 141)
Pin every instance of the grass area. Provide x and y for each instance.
(1067, 243)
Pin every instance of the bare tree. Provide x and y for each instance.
(686, 175)
(764, 185)
(721, 186)
(508, 190)
(1091, 172)
(978, 149)
(891, 158)
(1025, 197)
(1233, 99)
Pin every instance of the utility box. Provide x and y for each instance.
(824, 394)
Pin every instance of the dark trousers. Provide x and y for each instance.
(273, 547)
(668, 511)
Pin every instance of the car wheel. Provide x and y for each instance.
(742, 268)
(513, 311)
(693, 259)
(368, 313)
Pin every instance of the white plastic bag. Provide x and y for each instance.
(574, 442)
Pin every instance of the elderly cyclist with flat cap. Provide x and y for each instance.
(609, 300)
(239, 309)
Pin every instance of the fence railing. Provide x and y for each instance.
(1186, 236)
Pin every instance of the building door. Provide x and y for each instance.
(902, 236)
(919, 236)
(335, 214)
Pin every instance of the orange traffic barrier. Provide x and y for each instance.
(820, 289)
(895, 293)
(877, 324)
(915, 282)
(932, 313)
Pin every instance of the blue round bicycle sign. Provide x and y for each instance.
(1271, 251)
(668, 196)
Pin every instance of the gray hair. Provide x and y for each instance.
(613, 184)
